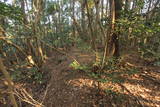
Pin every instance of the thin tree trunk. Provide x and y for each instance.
(126, 5)
(73, 15)
(24, 13)
(90, 26)
(102, 9)
(83, 17)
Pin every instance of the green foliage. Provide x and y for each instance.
(52, 8)
(36, 75)
(94, 75)
(157, 63)
(134, 26)
(30, 75)
(83, 45)
(17, 75)
(12, 12)
(115, 77)
(112, 73)
(104, 80)
(59, 39)
(77, 66)
(111, 64)
(150, 50)
(58, 32)
(108, 77)
(132, 71)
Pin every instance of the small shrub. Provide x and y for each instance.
(77, 66)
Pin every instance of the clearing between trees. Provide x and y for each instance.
(79, 53)
(70, 87)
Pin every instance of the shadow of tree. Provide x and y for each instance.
(69, 88)
(77, 89)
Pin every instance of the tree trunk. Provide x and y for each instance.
(114, 38)
(10, 83)
(24, 13)
(93, 38)
(83, 18)
(73, 15)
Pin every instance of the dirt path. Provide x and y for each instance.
(68, 88)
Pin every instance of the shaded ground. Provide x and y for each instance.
(69, 88)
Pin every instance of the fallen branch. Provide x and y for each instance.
(23, 95)
(150, 78)
(45, 94)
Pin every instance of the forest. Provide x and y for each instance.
(79, 53)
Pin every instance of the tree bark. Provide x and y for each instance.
(90, 26)
(114, 38)
(10, 83)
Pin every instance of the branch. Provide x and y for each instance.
(10, 83)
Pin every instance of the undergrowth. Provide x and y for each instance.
(28, 74)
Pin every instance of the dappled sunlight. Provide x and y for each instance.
(80, 53)
(81, 83)
(30, 59)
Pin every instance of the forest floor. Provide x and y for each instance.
(67, 87)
